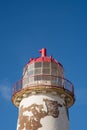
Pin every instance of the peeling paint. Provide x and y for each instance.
(32, 122)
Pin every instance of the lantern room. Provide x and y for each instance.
(43, 70)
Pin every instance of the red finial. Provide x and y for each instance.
(43, 52)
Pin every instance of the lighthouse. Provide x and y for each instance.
(43, 95)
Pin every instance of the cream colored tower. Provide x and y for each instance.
(43, 95)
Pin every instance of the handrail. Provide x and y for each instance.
(45, 80)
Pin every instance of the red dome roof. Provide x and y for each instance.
(43, 58)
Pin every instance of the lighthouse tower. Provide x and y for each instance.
(43, 95)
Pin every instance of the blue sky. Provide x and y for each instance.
(26, 27)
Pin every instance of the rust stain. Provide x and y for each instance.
(32, 122)
(52, 108)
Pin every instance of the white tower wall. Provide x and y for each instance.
(43, 112)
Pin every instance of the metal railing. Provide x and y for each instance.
(48, 80)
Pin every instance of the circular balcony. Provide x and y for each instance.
(43, 83)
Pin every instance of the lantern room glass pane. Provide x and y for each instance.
(46, 71)
(48, 78)
(31, 66)
(54, 80)
(31, 80)
(37, 71)
(38, 64)
(54, 72)
(31, 72)
(46, 64)
(54, 66)
(60, 81)
(36, 78)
